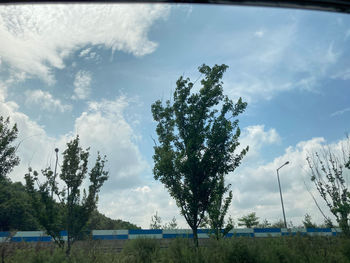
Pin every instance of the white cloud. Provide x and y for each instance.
(256, 137)
(259, 33)
(84, 52)
(256, 189)
(37, 38)
(35, 146)
(87, 54)
(103, 128)
(343, 75)
(340, 112)
(45, 100)
(280, 62)
(82, 83)
(139, 204)
(128, 196)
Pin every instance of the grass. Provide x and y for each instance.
(248, 250)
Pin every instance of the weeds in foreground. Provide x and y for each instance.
(232, 250)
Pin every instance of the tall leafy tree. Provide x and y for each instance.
(8, 158)
(249, 220)
(75, 202)
(197, 137)
(328, 173)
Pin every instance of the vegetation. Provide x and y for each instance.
(77, 210)
(249, 221)
(307, 222)
(98, 221)
(217, 211)
(269, 250)
(196, 148)
(197, 139)
(17, 213)
(8, 158)
(327, 170)
(156, 223)
(16, 210)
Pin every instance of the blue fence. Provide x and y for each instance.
(41, 236)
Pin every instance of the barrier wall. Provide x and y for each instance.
(41, 236)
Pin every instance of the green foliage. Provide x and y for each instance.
(327, 174)
(48, 212)
(76, 209)
(197, 140)
(16, 212)
(98, 221)
(156, 222)
(141, 250)
(307, 222)
(217, 210)
(249, 221)
(171, 225)
(278, 224)
(15, 209)
(264, 224)
(8, 158)
(265, 250)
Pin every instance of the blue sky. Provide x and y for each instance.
(95, 70)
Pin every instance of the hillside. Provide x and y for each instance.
(16, 212)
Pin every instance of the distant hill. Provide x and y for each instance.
(16, 212)
(99, 221)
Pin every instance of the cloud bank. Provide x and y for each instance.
(35, 39)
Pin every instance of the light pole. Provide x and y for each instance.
(279, 185)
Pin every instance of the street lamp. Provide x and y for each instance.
(279, 185)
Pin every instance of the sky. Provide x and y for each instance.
(95, 70)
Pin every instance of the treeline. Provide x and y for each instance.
(41, 204)
(16, 212)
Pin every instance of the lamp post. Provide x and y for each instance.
(279, 185)
(54, 175)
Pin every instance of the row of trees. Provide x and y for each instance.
(249, 221)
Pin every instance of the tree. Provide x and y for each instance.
(98, 221)
(197, 142)
(307, 222)
(77, 210)
(278, 224)
(327, 170)
(156, 222)
(16, 212)
(264, 224)
(249, 220)
(8, 158)
(217, 210)
(171, 225)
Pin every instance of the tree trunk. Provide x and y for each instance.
(344, 225)
(68, 246)
(195, 236)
